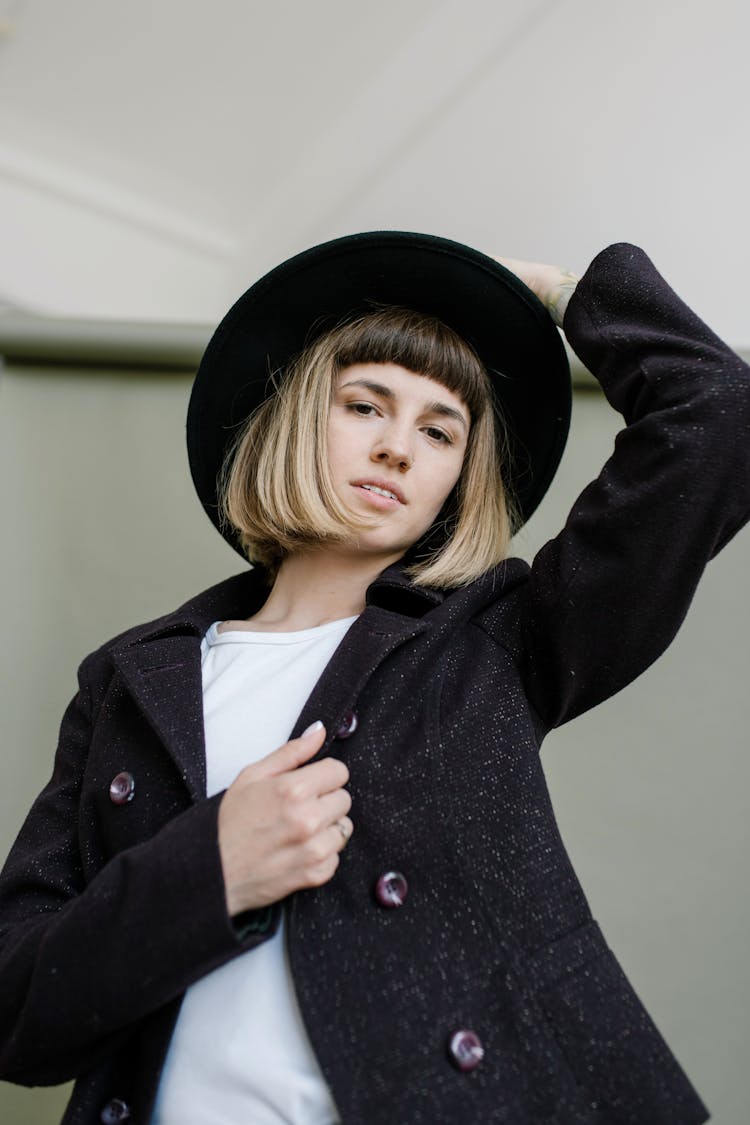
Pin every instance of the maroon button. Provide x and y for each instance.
(122, 789)
(114, 1112)
(347, 726)
(465, 1049)
(391, 889)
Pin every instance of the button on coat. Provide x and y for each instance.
(347, 726)
(122, 788)
(115, 1112)
(391, 889)
(465, 1048)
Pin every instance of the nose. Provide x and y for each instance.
(393, 449)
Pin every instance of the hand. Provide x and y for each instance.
(279, 824)
(553, 285)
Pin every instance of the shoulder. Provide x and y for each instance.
(495, 586)
(488, 601)
(394, 590)
(498, 600)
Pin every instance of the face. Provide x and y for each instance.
(396, 445)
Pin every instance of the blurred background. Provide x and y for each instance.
(156, 158)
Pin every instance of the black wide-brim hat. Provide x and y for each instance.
(296, 302)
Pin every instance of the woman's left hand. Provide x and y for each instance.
(553, 285)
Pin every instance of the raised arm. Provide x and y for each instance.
(608, 594)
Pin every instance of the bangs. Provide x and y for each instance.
(419, 342)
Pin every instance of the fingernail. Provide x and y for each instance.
(313, 727)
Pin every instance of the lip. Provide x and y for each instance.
(376, 482)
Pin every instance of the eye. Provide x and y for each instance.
(363, 409)
(438, 435)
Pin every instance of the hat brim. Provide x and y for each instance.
(305, 296)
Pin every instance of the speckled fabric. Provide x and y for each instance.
(110, 911)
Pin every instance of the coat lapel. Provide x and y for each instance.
(163, 676)
(161, 667)
(372, 637)
(160, 664)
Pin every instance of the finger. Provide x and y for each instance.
(300, 822)
(343, 827)
(317, 778)
(331, 806)
(291, 754)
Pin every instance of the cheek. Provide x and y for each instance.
(443, 482)
(452, 473)
(339, 442)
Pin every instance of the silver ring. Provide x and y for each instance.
(342, 829)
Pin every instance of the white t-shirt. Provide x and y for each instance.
(240, 1052)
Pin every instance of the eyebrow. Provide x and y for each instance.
(436, 407)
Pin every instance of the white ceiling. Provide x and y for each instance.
(200, 106)
(157, 156)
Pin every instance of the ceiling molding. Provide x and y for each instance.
(68, 342)
(27, 338)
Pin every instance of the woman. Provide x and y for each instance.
(193, 924)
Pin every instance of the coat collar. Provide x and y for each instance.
(161, 666)
(393, 590)
(160, 661)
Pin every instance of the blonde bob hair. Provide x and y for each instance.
(275, 488)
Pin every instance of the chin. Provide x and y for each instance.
(388, 551)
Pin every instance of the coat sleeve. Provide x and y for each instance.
(607, 595)
(82, 962)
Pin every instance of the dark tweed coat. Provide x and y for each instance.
(110, 911)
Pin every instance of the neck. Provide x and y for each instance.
(314, 587)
